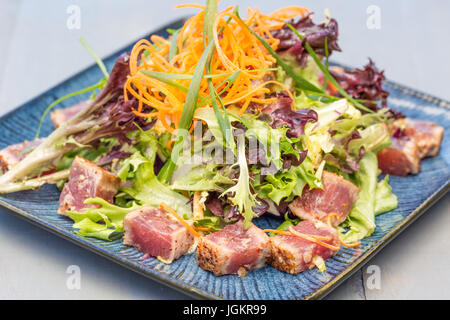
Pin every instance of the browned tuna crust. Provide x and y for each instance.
(210, 258)
(233, 250)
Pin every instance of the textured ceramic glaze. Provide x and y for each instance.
(415, 194)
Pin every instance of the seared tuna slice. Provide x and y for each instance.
(11, 155)
(412, 140)
(293, 254)
(86, 180)
(156, 233)
(427, 135)
(337, 198)
(59, 116)
(233, 250)
(400, 158)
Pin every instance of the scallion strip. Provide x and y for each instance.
(229, 81)
(166, 78)
(194, 87)
(99, 61)
(186, 116)
(208, 24)
(98, 85)
(208, 31)
(327, 65)
(67, 96)
(173, 44)
(326, 73)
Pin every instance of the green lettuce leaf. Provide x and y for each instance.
(289, 183)
(131, 165)
(207, 114)
(345, 126)
(385, 200)
(274, 141)
(374, 198)
(145, 185)
(310, 71)
(90, 154)
(203, 178)
(163, 149)
(87, 222)
(317, 138)
(337, 122)
(373, 138)
(360, 223)
(280, 186)
(88, 228)
(240, 194)
(210, 221)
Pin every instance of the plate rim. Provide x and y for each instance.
(190, 289)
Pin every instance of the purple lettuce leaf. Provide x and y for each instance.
(215, 204)
(292, 160)
(283, 115)
(261, 207)
(314, 34)
(365, 84)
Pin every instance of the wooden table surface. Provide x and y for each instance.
(38, 50)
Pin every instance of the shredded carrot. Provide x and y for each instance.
(333, 90)
(194, 121)
(236, 49)
(289, 12)
(179, 218)
(284, 233)
(313, 239)
(185, 193)
(350, 245)
(170, 144)
(190, 5)
(162, 118)
(309, 237)
(331, 215)
(206, 229)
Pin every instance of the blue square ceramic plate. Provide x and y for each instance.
(415, 193)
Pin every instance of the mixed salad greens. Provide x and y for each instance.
(228, 119)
